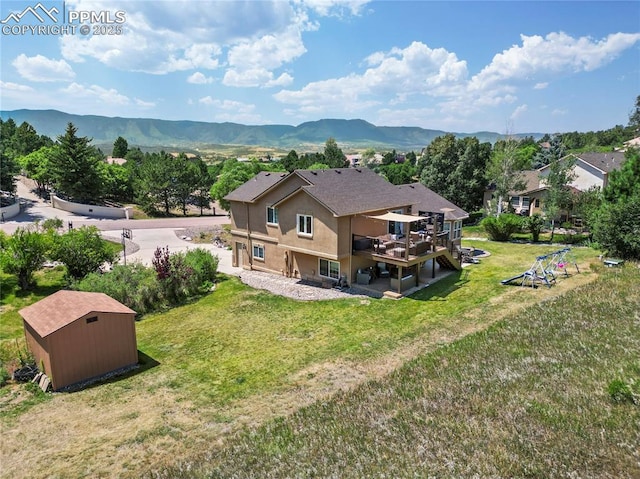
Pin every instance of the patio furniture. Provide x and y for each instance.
(383, 272)
(363, 276)
(398, 252)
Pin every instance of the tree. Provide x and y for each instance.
(8, 171)
(291, 161)
(76, 167)
(155, 185)
(634, 116)
(558, 195)
(467, 184)
(234, 174)
(439, 160)
(333, 156)
(23, 254)
(120, 148)
(398, 173)
(505, 172)
(616, 228)
(118, 182)
(185, 180)
(625, 183)
(82, 250)
(546, 156)
(37, 167)
(202, 185)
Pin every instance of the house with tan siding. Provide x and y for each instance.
(339, 225)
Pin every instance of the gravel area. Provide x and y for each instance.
(295, 288)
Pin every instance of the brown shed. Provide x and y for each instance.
(75, 336)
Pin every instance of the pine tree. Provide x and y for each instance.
(76, 167)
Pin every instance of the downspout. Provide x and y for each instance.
(350, 247)
(249, 242)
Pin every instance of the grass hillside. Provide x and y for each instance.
(217, 374)
(529, 397)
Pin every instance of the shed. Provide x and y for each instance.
(75, 336)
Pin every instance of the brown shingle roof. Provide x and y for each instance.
(531, 180)
(606, 162)
(257, 185)
(425, 199)
(64, 307)
(349, 191)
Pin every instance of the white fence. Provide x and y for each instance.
(91, 210)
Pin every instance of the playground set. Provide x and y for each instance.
(545, 269)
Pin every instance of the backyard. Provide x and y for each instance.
(241, 357)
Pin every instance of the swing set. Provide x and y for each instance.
(545, 269)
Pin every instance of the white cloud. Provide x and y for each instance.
(43, 69)
(559, 112)
(95, 92)
(14, 87)
(199, 78)
(540, 86)
(399, 74)
(518, 112)
(231, 110)
(144, 104)
(336, 8)
(553, 54)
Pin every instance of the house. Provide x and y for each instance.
(590, 170)
(329, 226)
(76, 336)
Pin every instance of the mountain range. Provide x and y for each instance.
(147, 132)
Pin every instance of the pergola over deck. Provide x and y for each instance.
(403, 253)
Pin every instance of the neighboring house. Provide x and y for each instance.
(75, 336)
(590, 170)
(328, 225)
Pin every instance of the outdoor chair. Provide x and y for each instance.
(383, 272)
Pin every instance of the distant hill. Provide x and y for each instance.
(147, 132)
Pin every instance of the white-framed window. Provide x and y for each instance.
(329, 269)
(525, 202)
(457, 229)
(272, 215)
(258, 251)
(305, 225)
(515, 201)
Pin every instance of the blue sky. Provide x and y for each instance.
(455, 66)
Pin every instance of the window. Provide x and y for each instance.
(457, 230)
(525, 202)
(258, 251)
(537, 203)
(272, 215)
(329, 269)
(515, 201)
(305, 225)
(92, 319)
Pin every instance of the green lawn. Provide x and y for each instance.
(529, 397)
(208, 364)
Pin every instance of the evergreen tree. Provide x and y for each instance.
(120, 148)
(333, 156)
(76, 167)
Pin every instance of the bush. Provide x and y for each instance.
(534, 225)
(502, 227)
(616, 228)
(134, 285)
(203, 263)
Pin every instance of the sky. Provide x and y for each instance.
(507, 67)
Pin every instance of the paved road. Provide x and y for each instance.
(147, 234)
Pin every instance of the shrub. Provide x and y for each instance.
(203, 263)
(502, 227)
(134, 285)
(534, 224)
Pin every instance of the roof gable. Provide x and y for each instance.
(250, 191)
(64, 307)
(425, 199)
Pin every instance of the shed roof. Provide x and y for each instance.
(64, 307)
